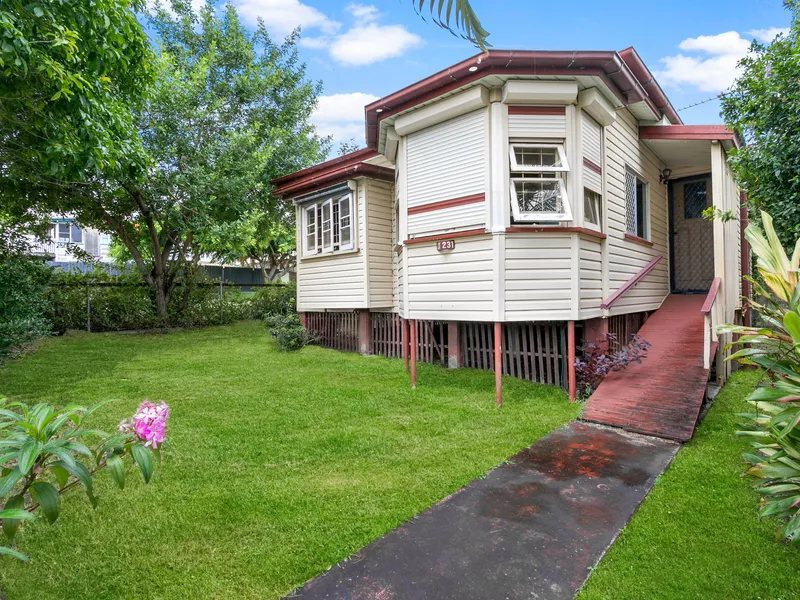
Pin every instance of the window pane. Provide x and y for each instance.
(77, 234)
(592, 202)
(327, 226)
(537, 157)
(539, 196)
(311, 229)
(335, 225)
(641, 209)
(345, 222)
(63, 232)
(630, 202)
(695, 199)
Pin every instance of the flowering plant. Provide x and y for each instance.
(46, 451)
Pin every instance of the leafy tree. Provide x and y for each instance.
(71, 70)
(764, 105)
(228, 112)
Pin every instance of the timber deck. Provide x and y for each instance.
(663, 395)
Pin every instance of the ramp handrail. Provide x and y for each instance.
(612, 299)
(708, 320)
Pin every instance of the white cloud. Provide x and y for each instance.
(768, 35)
(709, 62)
(366, 41)
(283, 16)
(342, 116)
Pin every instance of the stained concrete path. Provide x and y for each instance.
(531, 529)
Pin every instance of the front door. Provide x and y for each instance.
(692, 235)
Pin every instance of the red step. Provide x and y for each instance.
(663, 395)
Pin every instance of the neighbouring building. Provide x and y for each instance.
(513, 206)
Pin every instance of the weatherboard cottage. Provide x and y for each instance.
(514, 205)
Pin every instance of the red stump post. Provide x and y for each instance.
(453, 345)
(571, 360)
(404, 336)
(364, 332)
(413, 325)
(498, 364)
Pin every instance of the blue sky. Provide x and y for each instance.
(364, 50)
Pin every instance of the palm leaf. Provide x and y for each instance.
(459, 12)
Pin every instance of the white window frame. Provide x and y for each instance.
(309, 249)
(59, 239)
(533, 217)
(346, 199)
(318, 228)
(322, 221)
(645, 205)
(598, 208)
(515, 167)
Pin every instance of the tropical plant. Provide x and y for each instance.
(467, 25)
(774, 423)
(45, 451)
(606, 356)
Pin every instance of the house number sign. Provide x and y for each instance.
(445, 245)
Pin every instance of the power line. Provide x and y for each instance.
(717, 97)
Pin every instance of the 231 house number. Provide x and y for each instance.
(443, 245)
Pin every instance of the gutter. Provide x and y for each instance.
(607, 65)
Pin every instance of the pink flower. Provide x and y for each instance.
(149, 423)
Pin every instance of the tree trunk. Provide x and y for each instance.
(162, 295)
(264, 273)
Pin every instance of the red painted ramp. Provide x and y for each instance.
(661, 396)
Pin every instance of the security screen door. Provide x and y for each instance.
(692, 235)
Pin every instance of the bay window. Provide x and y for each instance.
(538, 176)
(328, 224)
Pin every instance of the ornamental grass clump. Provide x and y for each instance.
(45, 452)
(774, 421)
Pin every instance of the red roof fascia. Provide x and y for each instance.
(645, 77)
(608, 65)
(686, 132)
(304, 185)
(338, 162)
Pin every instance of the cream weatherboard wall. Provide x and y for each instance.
(538, 276)
(379, 248)
(445, 162)
(456, 285)
(338, 280)
(358, 278)
(625, 257)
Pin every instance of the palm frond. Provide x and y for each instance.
(465, 22)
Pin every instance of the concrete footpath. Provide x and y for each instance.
(532, 528)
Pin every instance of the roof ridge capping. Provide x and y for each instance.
(626, 77)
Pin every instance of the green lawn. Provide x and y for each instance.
(697, 534)
(279, 465)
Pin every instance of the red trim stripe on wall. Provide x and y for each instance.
(537, 110)
(474, 199)
(589, 164)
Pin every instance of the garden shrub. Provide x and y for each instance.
(275, 300)
(22, 287)
(48, 451)
(774, 422)
(288, 332)
(123, 302)
(599, 360)
(117, 302)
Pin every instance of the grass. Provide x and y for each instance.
(279, 465)
(697, 534)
